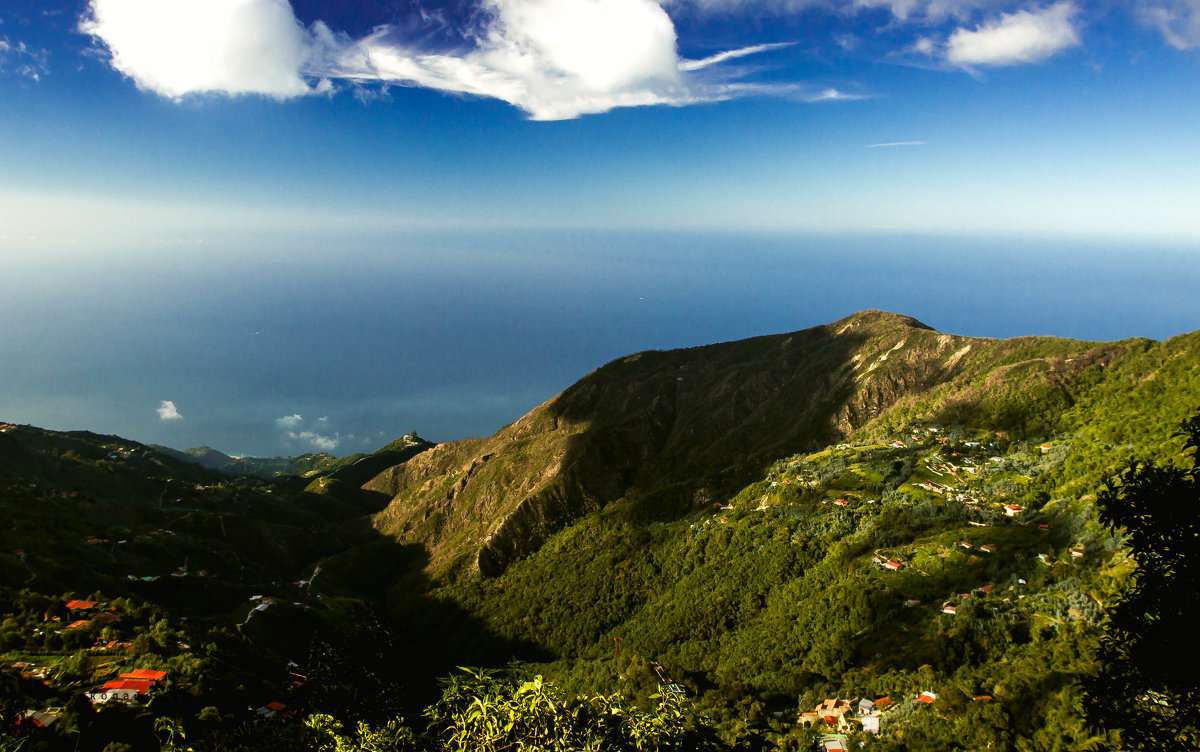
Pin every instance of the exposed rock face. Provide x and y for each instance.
(669, 430)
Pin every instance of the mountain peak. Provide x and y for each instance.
(874, 318)
(666, 431)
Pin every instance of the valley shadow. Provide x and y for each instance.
(418, 636)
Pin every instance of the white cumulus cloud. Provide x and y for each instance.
(315, 440)
(178, 47)
(294, 434)
(1027, 36)
(554, 59)
(167, 411)
(289, 421)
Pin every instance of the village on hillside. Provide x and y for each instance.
(998, 548)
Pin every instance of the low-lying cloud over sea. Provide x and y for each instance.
(341, 344)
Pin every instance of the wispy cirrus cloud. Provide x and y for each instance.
(26, 61)
(554, 59)
(833, 95)
(890, 144)
(721, 57)
(1177, 20)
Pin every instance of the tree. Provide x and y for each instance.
(1147, 688)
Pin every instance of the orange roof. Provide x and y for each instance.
(135, 685)
(81, 604)
(78, 624)
(145, 673)
(276, 706)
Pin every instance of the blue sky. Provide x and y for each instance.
(156, 155)
(131, 116)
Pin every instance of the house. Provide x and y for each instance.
(121, 690)
(81, 605)
(966, 544)
(1012, 510)
(156, 678)
(841, 502)
(949, 608)
(870, 724)
(271, 709)
(40, 719)
(926, 697)
(834, 743)
(894, 565)
(1076, 552)
(988, 548)
(831, 712)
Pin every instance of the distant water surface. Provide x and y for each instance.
(455, 335)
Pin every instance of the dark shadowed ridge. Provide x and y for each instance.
(667, 431)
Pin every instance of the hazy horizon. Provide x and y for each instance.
(280, 349)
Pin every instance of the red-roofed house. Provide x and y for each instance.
(832, 712)
(271, 709)
(121, 690)
(894, 565)
(80, 605)
(146, 674)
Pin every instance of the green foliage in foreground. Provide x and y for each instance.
(482, 711)
(1145, 690)
(485, 711)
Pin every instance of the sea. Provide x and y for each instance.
(278, 345)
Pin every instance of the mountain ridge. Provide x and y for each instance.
(671, 430)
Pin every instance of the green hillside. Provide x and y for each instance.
(684, 550)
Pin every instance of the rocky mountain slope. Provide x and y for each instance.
(667, 431)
